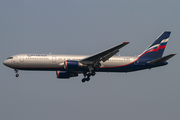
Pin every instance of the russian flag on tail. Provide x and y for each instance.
(156, 49)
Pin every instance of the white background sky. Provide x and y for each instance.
(88, 27)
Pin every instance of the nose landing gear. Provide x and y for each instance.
(17, 75)
(16, 71)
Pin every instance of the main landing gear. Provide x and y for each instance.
(87, 76)
(92, 69)
(16, 71)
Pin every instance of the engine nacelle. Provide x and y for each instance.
(71, 64)
(65, 74)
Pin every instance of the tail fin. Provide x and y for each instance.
(156, 49)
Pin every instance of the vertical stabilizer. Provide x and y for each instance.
(156, 49)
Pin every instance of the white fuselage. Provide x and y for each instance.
(56, 62)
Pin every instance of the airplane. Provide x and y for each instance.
(67, 66)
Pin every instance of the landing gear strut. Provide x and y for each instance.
(16, 71)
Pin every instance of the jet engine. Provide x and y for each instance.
(71, 64)
(65, 74)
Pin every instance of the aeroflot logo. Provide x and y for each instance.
(30, 55)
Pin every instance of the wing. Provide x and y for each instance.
(104, 55)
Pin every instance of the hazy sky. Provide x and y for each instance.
(87, 27)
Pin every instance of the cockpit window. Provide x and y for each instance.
(10, 58)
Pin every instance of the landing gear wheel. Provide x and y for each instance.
(17, 75)
(83, 80)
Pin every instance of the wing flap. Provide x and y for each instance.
(162, 59)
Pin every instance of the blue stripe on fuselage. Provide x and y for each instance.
(131, 67)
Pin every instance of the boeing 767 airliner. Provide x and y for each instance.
(67, 66)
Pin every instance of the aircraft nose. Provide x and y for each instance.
(5, 63)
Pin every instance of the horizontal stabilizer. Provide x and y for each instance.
(162, 59)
